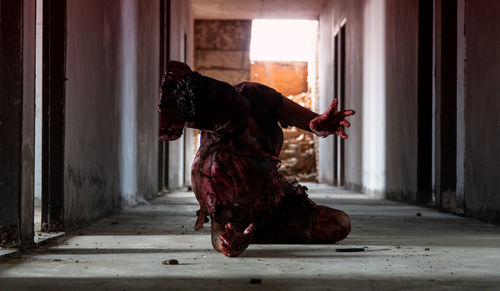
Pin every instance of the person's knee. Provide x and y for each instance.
(331, 226)
(344, 223)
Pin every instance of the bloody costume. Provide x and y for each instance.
(232, 173)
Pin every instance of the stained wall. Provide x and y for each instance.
(181, 151)
(111, 134)
(482, 104)
(382, 56)
(331, 18)
(381, 74)
(222, 49)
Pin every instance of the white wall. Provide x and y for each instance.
(374, 93)
(380, 73)
(181, 151)
(326, 76)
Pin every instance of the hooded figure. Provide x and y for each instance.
(235, 172)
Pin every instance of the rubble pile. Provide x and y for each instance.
(297, 155)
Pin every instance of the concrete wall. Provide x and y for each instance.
(374, 92)
(482, 104)
(111, 94)
(181, 151)
(222, 49)
(401, 79)
(381, 85)
(332, 16)
(17, 123)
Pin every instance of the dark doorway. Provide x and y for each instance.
(446, 110)
(335, 94)
(53, 121)
(342, 101)
(339, 62)
(424, 103)
(164, 59)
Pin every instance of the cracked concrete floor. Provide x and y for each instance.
(403, 250)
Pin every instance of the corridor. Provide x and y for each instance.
(82, 162)
(405, 247)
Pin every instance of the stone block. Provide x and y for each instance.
(212, 59)
(232, 77)
(222, 34)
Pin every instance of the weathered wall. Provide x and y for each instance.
(330, 19)
(288, 78)
(222, 49)
(401, 99)
(374, 94)
(381, 85)
(17, 124)
(111, 92)
(181, 151)
(147, 96)
(482, 104)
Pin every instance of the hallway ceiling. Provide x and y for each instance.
(241, 9)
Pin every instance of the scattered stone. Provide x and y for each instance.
(255, 281)
(170, 262)
(419, 214)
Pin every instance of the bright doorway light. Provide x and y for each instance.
(283, 40)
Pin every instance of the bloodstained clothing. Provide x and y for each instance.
(230, 174)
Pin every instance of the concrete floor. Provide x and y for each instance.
(403, 251)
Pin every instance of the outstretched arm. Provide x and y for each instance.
(330, 122)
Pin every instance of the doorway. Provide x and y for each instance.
(163, 148)
(424, 102)
(283, 57)
(339, 84)
(50, 48)
(448, 102)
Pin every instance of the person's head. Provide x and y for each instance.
(200, 102)
(171, 120)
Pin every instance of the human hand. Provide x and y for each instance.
(234, 242)
(331, 122)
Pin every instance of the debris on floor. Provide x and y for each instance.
(170, 262)
(255, 281)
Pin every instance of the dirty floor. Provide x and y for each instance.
(405, 247)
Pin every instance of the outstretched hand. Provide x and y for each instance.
(331, 122)
(234, 242)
